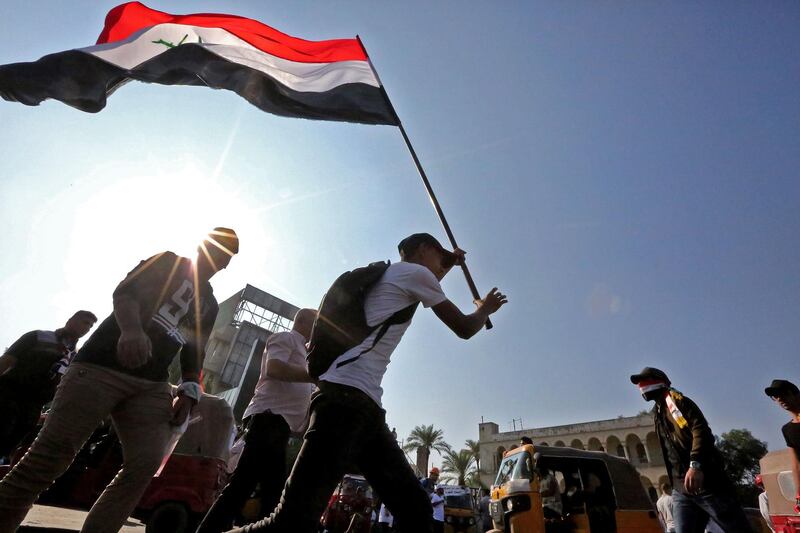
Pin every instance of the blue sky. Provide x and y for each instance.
(625, 171)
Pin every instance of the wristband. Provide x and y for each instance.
(190, 389)
(695, 465)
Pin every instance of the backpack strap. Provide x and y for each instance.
(401, 316)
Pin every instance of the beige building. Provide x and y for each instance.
(632, 437)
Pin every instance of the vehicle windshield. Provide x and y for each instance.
(458, 501)
(516, 466)
(353, 487)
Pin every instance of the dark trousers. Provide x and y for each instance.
(438, 526)
(347, 428)
(693, 512)
(263, 461)
(18, 419)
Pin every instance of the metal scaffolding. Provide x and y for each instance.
(253, 313)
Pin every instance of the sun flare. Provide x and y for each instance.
(136, 216)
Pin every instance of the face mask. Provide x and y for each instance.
(653, 394)
(652, 390)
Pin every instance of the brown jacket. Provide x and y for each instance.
(682, 442)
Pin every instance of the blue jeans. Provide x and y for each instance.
(692, 512)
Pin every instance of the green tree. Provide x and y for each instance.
(742, 452)
(423, 439)
(475, 449)
(459, 465)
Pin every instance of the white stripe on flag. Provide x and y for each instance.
(306, 77)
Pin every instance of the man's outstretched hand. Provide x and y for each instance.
(493, 301)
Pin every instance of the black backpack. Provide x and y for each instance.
(341, 323)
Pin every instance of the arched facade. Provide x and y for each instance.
(632, 437)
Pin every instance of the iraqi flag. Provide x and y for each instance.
(280, 74)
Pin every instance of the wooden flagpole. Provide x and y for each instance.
(470, 282)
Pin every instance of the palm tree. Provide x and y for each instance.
(475, 449)
(423, 439)
(459, 465)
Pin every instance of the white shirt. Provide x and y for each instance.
(289, 400)
(664, 506)
(763, 506)
(385, 517)
(438, 510)
(402, 285)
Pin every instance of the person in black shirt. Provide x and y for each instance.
(29, 372)
(163, 307)
(786, 394)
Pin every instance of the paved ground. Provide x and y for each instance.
(47, 519)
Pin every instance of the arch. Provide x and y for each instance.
(594, 445)
(560, 443)
(641, 453)
(636, 451)
(577, 444)
(614, 446)
(648, 486)
(654, 449)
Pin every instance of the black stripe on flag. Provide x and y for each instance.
(84, 81)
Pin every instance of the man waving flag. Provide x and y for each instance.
(280, 74)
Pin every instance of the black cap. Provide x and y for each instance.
(225, 239)
(409, 245)
(649, 373)
(781, 385)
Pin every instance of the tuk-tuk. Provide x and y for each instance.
(776, 474)
(459, 510)
(352, 496)
(180, 495)
(559, 490)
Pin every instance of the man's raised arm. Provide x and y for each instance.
(465, 326)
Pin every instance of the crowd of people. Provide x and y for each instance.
(165, 307)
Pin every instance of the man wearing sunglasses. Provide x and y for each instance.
(786, 394)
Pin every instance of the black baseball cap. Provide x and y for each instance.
(780, 385)
(649, 373)
(408, 245)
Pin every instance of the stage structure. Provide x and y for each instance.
(234, 349)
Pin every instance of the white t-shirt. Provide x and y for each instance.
(385, 516)
(664, 506)
(402, 284)
(438, 510)
(289, 400)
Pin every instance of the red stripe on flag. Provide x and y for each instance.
(131, 17)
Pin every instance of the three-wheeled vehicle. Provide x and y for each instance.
(180, 495)
(352, 496)
(459, 510)
(776, 474)
(563, 490)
